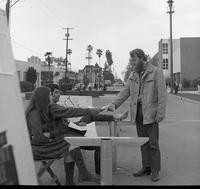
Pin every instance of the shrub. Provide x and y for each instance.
(65, 87)
(26, 86)
(186, 83)
(31, 75)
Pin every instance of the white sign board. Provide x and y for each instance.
(82, 102)
(76, 101)
(12, 118)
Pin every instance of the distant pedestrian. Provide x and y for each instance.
(147, 89)
(175, 88)
(198, 88)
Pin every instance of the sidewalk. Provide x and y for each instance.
(179, 144)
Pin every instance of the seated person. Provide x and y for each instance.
(92, 116)
(45, 117)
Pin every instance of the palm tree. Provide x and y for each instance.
(48, 58)
(99, 53)
(109, 57)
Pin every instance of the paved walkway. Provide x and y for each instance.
(179, 144)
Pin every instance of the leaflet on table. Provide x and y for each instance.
(81, 128)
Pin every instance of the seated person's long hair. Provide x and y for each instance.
(40, 101)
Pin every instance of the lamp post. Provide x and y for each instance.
(89, 57)
(170, 12)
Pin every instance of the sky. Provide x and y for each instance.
(120, 26)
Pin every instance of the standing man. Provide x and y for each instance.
(147, 89)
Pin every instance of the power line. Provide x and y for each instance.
(51, 12)
(27, 48)
(45, 7)
(14, 3)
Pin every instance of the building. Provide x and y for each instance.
(34, 59)
(42, 71)
(186, 58)
(92, 74)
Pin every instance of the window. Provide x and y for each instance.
(165, 64)
(165, 48)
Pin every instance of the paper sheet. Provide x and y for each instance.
(81, 128)
(91, 131)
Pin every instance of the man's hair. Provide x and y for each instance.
(52, 87)
(140, 54)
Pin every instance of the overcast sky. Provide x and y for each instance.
(118, 25)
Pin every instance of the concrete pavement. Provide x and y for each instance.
(179, 144)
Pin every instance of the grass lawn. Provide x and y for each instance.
(190, 96)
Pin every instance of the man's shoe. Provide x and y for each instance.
(155, 176)
(143, 172)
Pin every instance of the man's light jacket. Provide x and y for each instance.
(153, 94)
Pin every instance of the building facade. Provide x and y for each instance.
(186, 58)
(42, 71)
(92, 74)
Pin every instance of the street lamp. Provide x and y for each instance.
(89, 57)
(170, 12)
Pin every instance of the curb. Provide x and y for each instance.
(186, 99)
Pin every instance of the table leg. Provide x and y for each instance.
(106, 162)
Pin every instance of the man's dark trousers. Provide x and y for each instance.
(150, 151)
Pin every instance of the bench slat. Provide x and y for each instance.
(116, 141)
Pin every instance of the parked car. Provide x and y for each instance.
(79, 86)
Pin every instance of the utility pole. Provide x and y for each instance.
(8, 11)
(8, 6)
(66, 59)
(170, 12)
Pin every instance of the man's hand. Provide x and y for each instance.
(46, 134)
(159, 119)
(109, 107)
